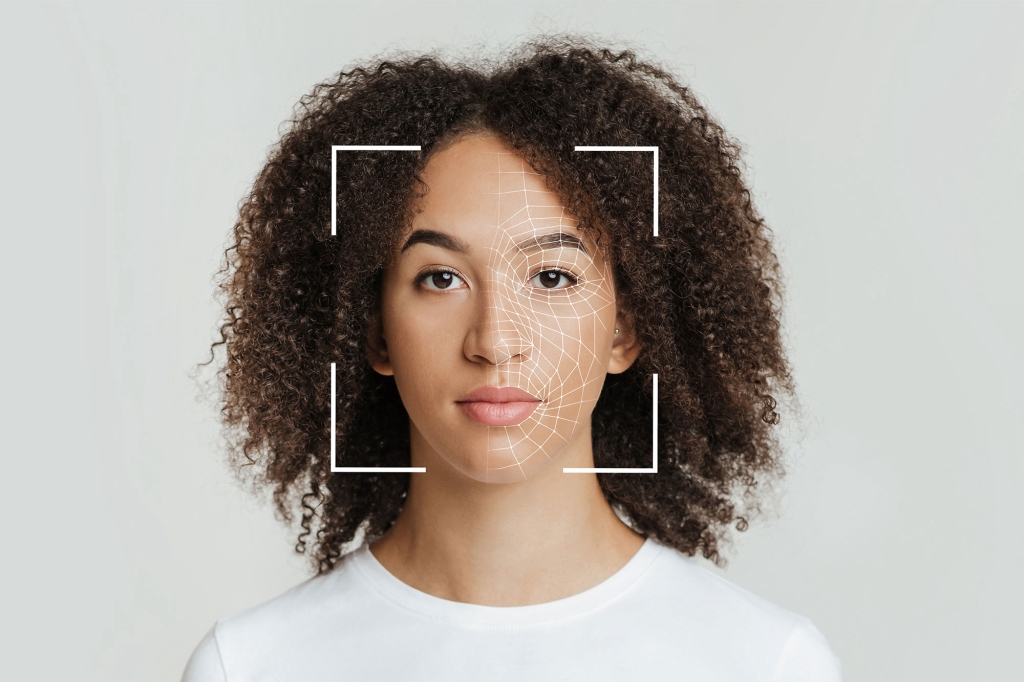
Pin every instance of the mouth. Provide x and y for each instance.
(494, 406)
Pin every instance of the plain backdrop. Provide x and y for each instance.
(885, 146)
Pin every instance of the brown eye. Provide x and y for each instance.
(551, 279)
(440, 280)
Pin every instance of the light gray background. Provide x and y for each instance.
(886, 146)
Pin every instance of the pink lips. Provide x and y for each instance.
(493, 406)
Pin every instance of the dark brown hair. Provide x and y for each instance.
(704, 295)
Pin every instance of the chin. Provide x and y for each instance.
(502, 464)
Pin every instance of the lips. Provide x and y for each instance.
(494, 406)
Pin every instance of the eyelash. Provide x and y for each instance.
(424, 276)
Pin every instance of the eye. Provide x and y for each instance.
(551, 279)
(439, 280)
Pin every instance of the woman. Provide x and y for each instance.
(492, 310)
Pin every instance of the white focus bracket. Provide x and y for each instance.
(569, 470)
(334, 231)
(654, 390)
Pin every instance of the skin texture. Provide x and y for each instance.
(701, 302)
(494, 520)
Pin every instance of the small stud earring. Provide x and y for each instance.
(616, 331)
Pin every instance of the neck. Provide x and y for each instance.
(507, 544)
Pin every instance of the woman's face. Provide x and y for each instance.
(494, 286)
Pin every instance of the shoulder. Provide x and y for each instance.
(205, 664)
(287, 624)
(807, 656)
(685, 580)
(734, 622)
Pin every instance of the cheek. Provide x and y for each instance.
(421, 345)
(573, 346)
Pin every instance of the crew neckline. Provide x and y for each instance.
(411, 599)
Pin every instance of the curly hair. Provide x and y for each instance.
(704, 295)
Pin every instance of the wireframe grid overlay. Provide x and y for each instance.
(544, 338)
(547, 336)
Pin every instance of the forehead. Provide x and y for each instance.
(480, 190)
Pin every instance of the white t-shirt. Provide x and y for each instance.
(662, 616)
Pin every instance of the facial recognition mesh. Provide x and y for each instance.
(548, 311)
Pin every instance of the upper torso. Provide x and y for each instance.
(662, 616)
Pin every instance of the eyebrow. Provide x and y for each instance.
(445, 241)
(553, 240)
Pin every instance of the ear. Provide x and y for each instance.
(625, 348)
(377, 347)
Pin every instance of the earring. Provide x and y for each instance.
(616, 331)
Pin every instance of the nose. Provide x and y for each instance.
(501, 331)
